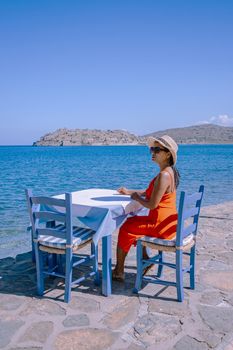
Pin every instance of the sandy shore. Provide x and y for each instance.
(152, 320)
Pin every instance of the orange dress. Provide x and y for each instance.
(161, 222)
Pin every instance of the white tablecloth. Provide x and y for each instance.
(103, 210)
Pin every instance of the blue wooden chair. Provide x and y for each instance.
(184, 243)
(54, 235)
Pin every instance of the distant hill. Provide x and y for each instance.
(198, 134)
(75, 137)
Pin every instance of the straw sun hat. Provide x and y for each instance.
(167, 142)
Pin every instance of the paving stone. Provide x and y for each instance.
(135, 347)
(210, 338)
(226, 257)
(23, 266)
(43, 307)
(10, 302)
(144, 324)
(230, 242)
(28, 348)
(159, 326)
(17, 284)
(38, 331)
(158, 291)
(7, 329)
(229, 346)
(199, 288)
(13, 279)
(85, 339)
(24, 257)
(230, 300)
(123, 314)
(7, 262)
(190, 343)
(219, 319)
(84, 304)
(76, 321)
(212, 298)
(217, 265)
(169, 307)
(226, 342)
(223, 280)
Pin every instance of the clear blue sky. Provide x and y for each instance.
(123, 64)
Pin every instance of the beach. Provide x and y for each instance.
(151, 320)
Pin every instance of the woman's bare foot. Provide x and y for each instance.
(119, 277)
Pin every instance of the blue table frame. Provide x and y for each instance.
(107, 265)
(104, 211)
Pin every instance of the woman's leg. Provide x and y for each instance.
(119, 269)
(121, 255)
(144, 253)
(130, 231)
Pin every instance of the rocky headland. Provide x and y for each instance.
(197, 134)
(79, 137)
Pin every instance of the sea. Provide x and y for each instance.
(55, 170)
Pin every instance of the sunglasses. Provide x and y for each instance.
(158, 149)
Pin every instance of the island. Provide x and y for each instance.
(197, 134)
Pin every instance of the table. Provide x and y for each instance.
(104, 211)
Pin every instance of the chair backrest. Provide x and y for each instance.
(188, 215)
(44, 216)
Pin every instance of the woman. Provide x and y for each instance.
(159, 198)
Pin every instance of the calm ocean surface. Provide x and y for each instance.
(54, 170)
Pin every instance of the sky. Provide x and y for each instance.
(141, 66)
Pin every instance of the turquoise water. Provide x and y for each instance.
(53, 170)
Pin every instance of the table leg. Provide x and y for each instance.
(107, 265)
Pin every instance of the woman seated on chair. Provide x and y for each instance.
(159, 198)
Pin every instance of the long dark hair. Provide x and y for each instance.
(175, 171)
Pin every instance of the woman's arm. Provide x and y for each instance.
(124, 190)
(160, 187)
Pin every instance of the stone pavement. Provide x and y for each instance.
(152, 320)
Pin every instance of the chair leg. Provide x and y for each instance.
(94, 251)
(192, 268)
(39, 269)
(160, 267)
(68, 275)
(52, 261)
(60, 263)
(179, 275)
(138, 282)
(33, 247)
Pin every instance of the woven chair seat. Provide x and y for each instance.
(167, 244)
(81, 235)
(51, 250)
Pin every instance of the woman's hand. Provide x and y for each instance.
(135, 196)
(123, 190)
